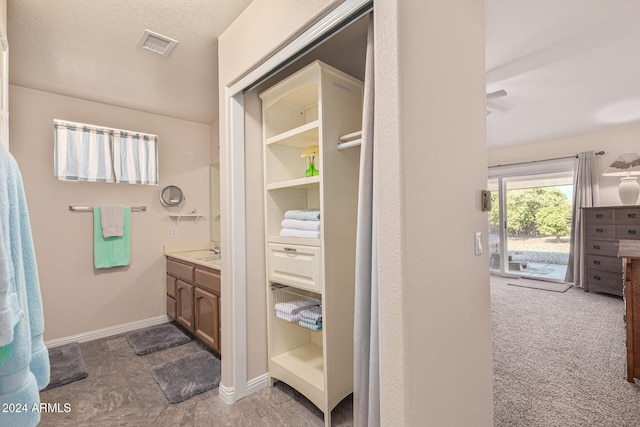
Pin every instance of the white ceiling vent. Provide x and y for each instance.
(157, 43)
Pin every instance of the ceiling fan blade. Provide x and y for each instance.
(497, 94)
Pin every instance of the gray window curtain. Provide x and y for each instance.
(585, 194)
(366, 393)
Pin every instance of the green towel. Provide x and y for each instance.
(112, 251)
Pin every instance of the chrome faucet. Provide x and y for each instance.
(215, 249)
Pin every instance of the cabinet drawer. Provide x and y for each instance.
(628, 231)
(171, 286)
(171, 307)
(628, 216)
(180, 270)
(604, 263)
(598, 216)
(208, 280)
(602, 247)
(295, 265)
(600, 231)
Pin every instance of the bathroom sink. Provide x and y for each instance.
(209, 258)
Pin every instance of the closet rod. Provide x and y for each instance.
(599, 153)
(348, 141)
(78, 208)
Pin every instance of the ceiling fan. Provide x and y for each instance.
(495, 104)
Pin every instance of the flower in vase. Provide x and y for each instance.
(311, 152)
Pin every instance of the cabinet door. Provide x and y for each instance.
(207, 318)
(184, 300)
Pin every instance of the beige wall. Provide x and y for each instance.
(435, 331)
(613, 141)
(77, 298)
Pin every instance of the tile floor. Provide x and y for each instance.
(120, 391)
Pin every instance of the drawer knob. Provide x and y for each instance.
(290, 250)
(631, 215)
(631, 231)
(596, 262)
(599, 230)
(599, 215)
(597, 277)
(597, 247)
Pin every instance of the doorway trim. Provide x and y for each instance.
(235, 222)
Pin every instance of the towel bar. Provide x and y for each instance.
(78, 208)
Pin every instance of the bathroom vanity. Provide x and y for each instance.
(193, 294)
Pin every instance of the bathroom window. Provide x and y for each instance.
(91, 153)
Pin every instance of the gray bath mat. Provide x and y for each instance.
(156, 339)
(67, 365)
(540, 284)
(188, 376)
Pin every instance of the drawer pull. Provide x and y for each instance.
(596, 262)
(597, 277)
(599, 215)
(599, 230)
(631, 231)
(596, 247)
(290, 250)
(631, 215)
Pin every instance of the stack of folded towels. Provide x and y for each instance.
(301, 223)
(307, 312)
(311, 318)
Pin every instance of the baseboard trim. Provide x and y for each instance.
(258, 383)
(107, 332)
(228, 394)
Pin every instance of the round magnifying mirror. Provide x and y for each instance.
(171, 196)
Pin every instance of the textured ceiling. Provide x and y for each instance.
(88, 49)
(569, 66)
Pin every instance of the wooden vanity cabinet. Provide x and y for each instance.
(193, 300)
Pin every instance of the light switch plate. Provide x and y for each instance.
(478, 243)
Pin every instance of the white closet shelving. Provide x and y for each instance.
(314, 106)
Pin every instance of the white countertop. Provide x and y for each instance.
(196, 253)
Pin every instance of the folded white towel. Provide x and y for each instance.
(292, 232)
(112, 217)
(298, 224)
(294, 307)
(288, 317)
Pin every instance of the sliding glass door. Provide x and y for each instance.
(530, 222)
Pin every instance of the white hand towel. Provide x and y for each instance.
(112, 217)
(292, 232)
(298, 224)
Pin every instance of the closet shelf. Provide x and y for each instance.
(304, 362)
(178, 217)
(305, 182)
(293, 240)
(301, 136)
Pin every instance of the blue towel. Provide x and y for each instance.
(111, 251)
(311, 326)
(312, 315)
(24, 368)
(303, 214)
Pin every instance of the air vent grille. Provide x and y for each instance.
(157, 43)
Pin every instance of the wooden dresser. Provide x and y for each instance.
(630, 252)
(603, 227)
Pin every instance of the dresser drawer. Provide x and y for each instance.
(179, 270)
(295, 265)
(628, 231)
(600, 231)
(604, 263)
(628, 216)
(602, 247)
(598, 216)
(604, 281)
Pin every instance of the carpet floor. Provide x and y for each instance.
(559, 359)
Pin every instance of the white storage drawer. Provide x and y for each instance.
(295, 265)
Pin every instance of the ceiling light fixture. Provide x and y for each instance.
(157, 43)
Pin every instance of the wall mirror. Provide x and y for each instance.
(171, 196)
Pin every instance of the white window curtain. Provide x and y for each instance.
(96, 154)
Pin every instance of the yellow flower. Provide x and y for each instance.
(311, 151)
